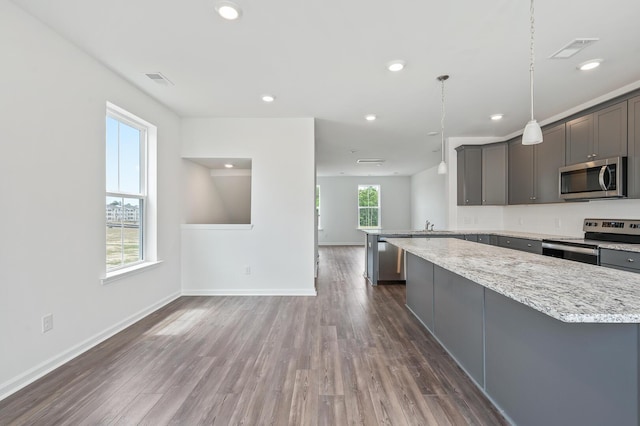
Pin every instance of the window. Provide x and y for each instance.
(318, 205)
(368, 206)
(126, 189)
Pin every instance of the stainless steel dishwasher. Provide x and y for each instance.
(390, 262)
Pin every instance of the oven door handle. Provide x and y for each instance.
(574, 249)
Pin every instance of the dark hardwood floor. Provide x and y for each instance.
(351, 355)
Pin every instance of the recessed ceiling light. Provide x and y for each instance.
(395, 66)
(370, 117)
(590, 64)
(433, 133)
(229, 166)
(496, 117)
(268, 98)
(228, 10)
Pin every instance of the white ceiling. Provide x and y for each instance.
(327, 60)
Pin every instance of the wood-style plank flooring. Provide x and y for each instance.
(351, 355)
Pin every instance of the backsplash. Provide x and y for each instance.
(566, 218)
(554, 219)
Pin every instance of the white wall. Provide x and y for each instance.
(428, 199)
(235, 194)
(566, 218)
(339, 206)
(52, 182)
(279, 249)
(202, 201)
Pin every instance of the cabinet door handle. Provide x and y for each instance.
(630, 260)
(508, 242)
(466, 201)
(589, 156)
(593, 155)
(528, 245)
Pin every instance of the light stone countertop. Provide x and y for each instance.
(620, 246)
(512, 234)
(567, 291)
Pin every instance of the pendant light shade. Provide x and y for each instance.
(442, 167)
(532, 133)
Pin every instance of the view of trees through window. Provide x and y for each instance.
(368, 206)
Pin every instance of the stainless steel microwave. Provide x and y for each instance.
(594, 179)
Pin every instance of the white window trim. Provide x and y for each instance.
(127, 271)
(319, 208)
(149, 180)
(379, 206)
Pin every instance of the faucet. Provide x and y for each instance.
(426, 225)
(432, 225)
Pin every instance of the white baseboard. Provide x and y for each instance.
(15, 384)
(250, 292)
(340, 244)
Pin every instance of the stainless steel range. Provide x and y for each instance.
(596, 233)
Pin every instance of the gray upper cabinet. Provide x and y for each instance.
(579, 145)
(601, 134)
(633, 162)
(548, 158)
(494, 174)
(469, 175)
(521, 172)
(533, 169)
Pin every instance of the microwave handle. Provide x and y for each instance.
(603, 170)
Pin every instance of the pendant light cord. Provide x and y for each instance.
(442, 119)
(532, 58)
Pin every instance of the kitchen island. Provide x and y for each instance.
(549, 341)
(383, 262)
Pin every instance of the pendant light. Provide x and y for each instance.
(442, 167)
(532, 133)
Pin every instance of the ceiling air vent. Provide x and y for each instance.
(370, 161)
(573, 47)
(159, 78)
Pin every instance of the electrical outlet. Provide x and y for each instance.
(47, 323)
(558, 222)
(247, 270)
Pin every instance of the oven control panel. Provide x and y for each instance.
(612, 226)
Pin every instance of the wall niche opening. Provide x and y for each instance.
(217, 190)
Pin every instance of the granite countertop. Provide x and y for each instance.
(567, 291)
(620, 246)
(512, 234)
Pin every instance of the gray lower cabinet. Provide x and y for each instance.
(618, 259)
(633, 162)
(419, 289)
(471, 237)
(494, 174)
(485, 239)
(458, 320)
(522, 244)
(536, 369)
(542, 371)
(469, 178)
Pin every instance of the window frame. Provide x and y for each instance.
(143, 127)
(378, 207)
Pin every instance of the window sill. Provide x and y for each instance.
(127, 272)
